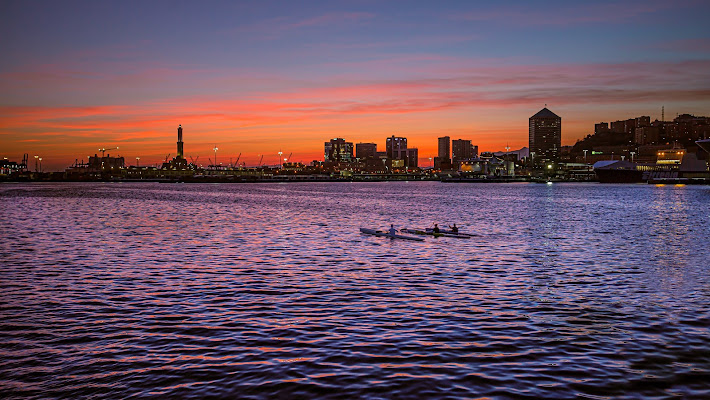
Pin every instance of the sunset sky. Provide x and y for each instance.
(259, 77)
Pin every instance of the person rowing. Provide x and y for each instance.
(436, 228)
(454, 229)
(392, 230)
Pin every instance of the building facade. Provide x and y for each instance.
(338, 150)
(463, 150)
(396, 147)
(545, 136)
(365, 150)
(444, 148)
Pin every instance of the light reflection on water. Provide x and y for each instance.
(270, 290)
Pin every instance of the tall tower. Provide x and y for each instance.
(445, 148)
(179, 142)
(545, 135)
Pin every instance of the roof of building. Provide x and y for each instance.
(614, 164)
(545, 113)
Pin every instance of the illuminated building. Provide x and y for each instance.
(545, 136)
(397, 150)
(396, 147)
(338, 150)
(670, 157)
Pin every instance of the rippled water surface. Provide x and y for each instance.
(269, 290)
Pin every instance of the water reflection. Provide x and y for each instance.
(271, 291)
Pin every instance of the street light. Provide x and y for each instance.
(215, 156)
(281, 162)
(138, 164)
(40, 164)
(36, 164)
(585, 155)
(632, 155)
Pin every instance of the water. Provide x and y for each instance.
(269, 290)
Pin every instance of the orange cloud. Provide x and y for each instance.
(488, 105)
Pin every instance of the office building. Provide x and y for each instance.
(338, 150)
(396, 147)
(545, 136)
(463, 150)
(365, 150)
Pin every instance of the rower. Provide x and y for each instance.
(392, 230)
(436, 228)
(454, 229)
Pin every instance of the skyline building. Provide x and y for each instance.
(365, 150)
(444, 152)
(462, 149)
(338, 150)
(395, 146)
(397, 150)
(545, 135)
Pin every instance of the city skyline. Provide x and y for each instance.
(261, 78)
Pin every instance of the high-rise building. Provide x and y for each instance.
(365, 150)
(545, 135)
(412, 160)
(444, 148)
(463, 150)
(338, 150)
(396, 147)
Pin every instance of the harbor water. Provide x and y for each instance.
(119, 290)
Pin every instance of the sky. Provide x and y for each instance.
(256, 78)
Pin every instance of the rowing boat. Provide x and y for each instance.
(446, 231)
(387, 234)
(421, 232)
(437, 234)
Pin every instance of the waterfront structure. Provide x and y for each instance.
(444, 148)
(397, 150)
(338, 150)
(8, 167)
(179, 142)
(462, 150)
(545, 136)
(396, 146)
(365, 150)
(412, 158)
(105, 163)
(178, 162)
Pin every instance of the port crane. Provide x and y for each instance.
(237, 163)
(104, 150)
(261, 159)
(166, 157)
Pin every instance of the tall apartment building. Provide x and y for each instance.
(444, 148)
(463, 150)
(545, 135)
